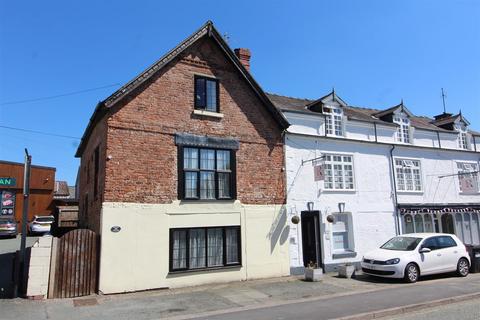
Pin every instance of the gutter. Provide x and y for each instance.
(394, 193)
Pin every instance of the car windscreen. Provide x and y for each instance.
(44, 219)
(402, 243)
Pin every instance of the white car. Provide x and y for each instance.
(411, 255)
(41, 224)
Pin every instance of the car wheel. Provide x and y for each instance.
(411, 273)
(462, 267)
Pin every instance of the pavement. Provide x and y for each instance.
(278, 298)
(468, 310)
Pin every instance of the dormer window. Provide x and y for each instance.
(403, 130)
(462, 139)
(333, 121)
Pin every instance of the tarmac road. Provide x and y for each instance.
(338, 307)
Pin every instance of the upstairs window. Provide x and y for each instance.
(333, 121)
(462, 139)
(207, 174)
(409, 175)
(403, 130)
(206, 94)
(339, 172)
(468, 177)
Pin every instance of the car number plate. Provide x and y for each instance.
(43, 224)
(2, 228)
(373, 267)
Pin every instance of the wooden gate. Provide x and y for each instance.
(74, 267)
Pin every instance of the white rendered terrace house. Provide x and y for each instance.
(375, 174)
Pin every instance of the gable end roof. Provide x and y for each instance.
(207, 29)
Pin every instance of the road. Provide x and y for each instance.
(337, 307)
(469, 310)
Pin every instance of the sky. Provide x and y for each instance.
(374, 53)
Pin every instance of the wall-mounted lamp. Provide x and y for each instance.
(341, 207)
(295, 219)
(109, 157)
(310, 205)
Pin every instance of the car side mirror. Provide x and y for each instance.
(424, 250)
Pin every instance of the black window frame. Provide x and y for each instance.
(182, 170)
(196, 104)
(187, 248)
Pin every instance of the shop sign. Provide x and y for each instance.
(318, 173)
(7, 182)
(7, 203)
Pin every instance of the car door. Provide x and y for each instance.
(449, 253)
(429, 261)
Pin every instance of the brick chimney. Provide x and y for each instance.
(243, 55)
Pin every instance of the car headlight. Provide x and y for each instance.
(392, 261)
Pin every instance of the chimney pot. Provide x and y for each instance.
(243, 55)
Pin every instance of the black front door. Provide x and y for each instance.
(311, 239)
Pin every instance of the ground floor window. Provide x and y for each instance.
(465, 225)
(342, 233)
(200, 248)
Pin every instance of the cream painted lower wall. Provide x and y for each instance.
(137, 257)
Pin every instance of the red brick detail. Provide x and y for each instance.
(244, 56)
(140, 131)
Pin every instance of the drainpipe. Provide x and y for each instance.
(474, 144)
(395, 200)
(375, 128)
(439, 143)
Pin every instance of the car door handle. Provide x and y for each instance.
(439, 254)
(455, 251)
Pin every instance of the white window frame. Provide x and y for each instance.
(350, 247)
(463, 167)
(463, 142)
(404, 132)
(329, 163)
(334, 121)
(402, 163)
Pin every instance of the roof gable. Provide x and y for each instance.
(317, 105)
(395, 109)
(206, 30)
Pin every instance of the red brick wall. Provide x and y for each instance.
(140, 139)
(89, 212)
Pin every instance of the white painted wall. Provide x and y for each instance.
(371, 203)
(39, 268)
(137, 257)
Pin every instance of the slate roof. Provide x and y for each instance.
(285, 103)
(208, 30)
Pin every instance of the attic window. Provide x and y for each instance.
(462, 139)
(403, 130)
(206, 94)
(333, 121)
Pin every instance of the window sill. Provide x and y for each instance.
(410, 192)
(233, 266)
(340, 190)
(344, 254)
(206, 113)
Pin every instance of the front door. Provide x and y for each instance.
(312, 255)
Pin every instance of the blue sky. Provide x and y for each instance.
(373, 52)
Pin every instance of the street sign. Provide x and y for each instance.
(7, 182)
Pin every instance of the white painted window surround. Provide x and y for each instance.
(462, 139)
(468, 178)
(339, 174)
(409, 175)
(334, 123)
(342, 233)
(403, 133)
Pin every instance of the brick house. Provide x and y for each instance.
(182, 173)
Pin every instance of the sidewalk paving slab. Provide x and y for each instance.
(220, 299)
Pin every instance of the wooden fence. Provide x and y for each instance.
(74, 265)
